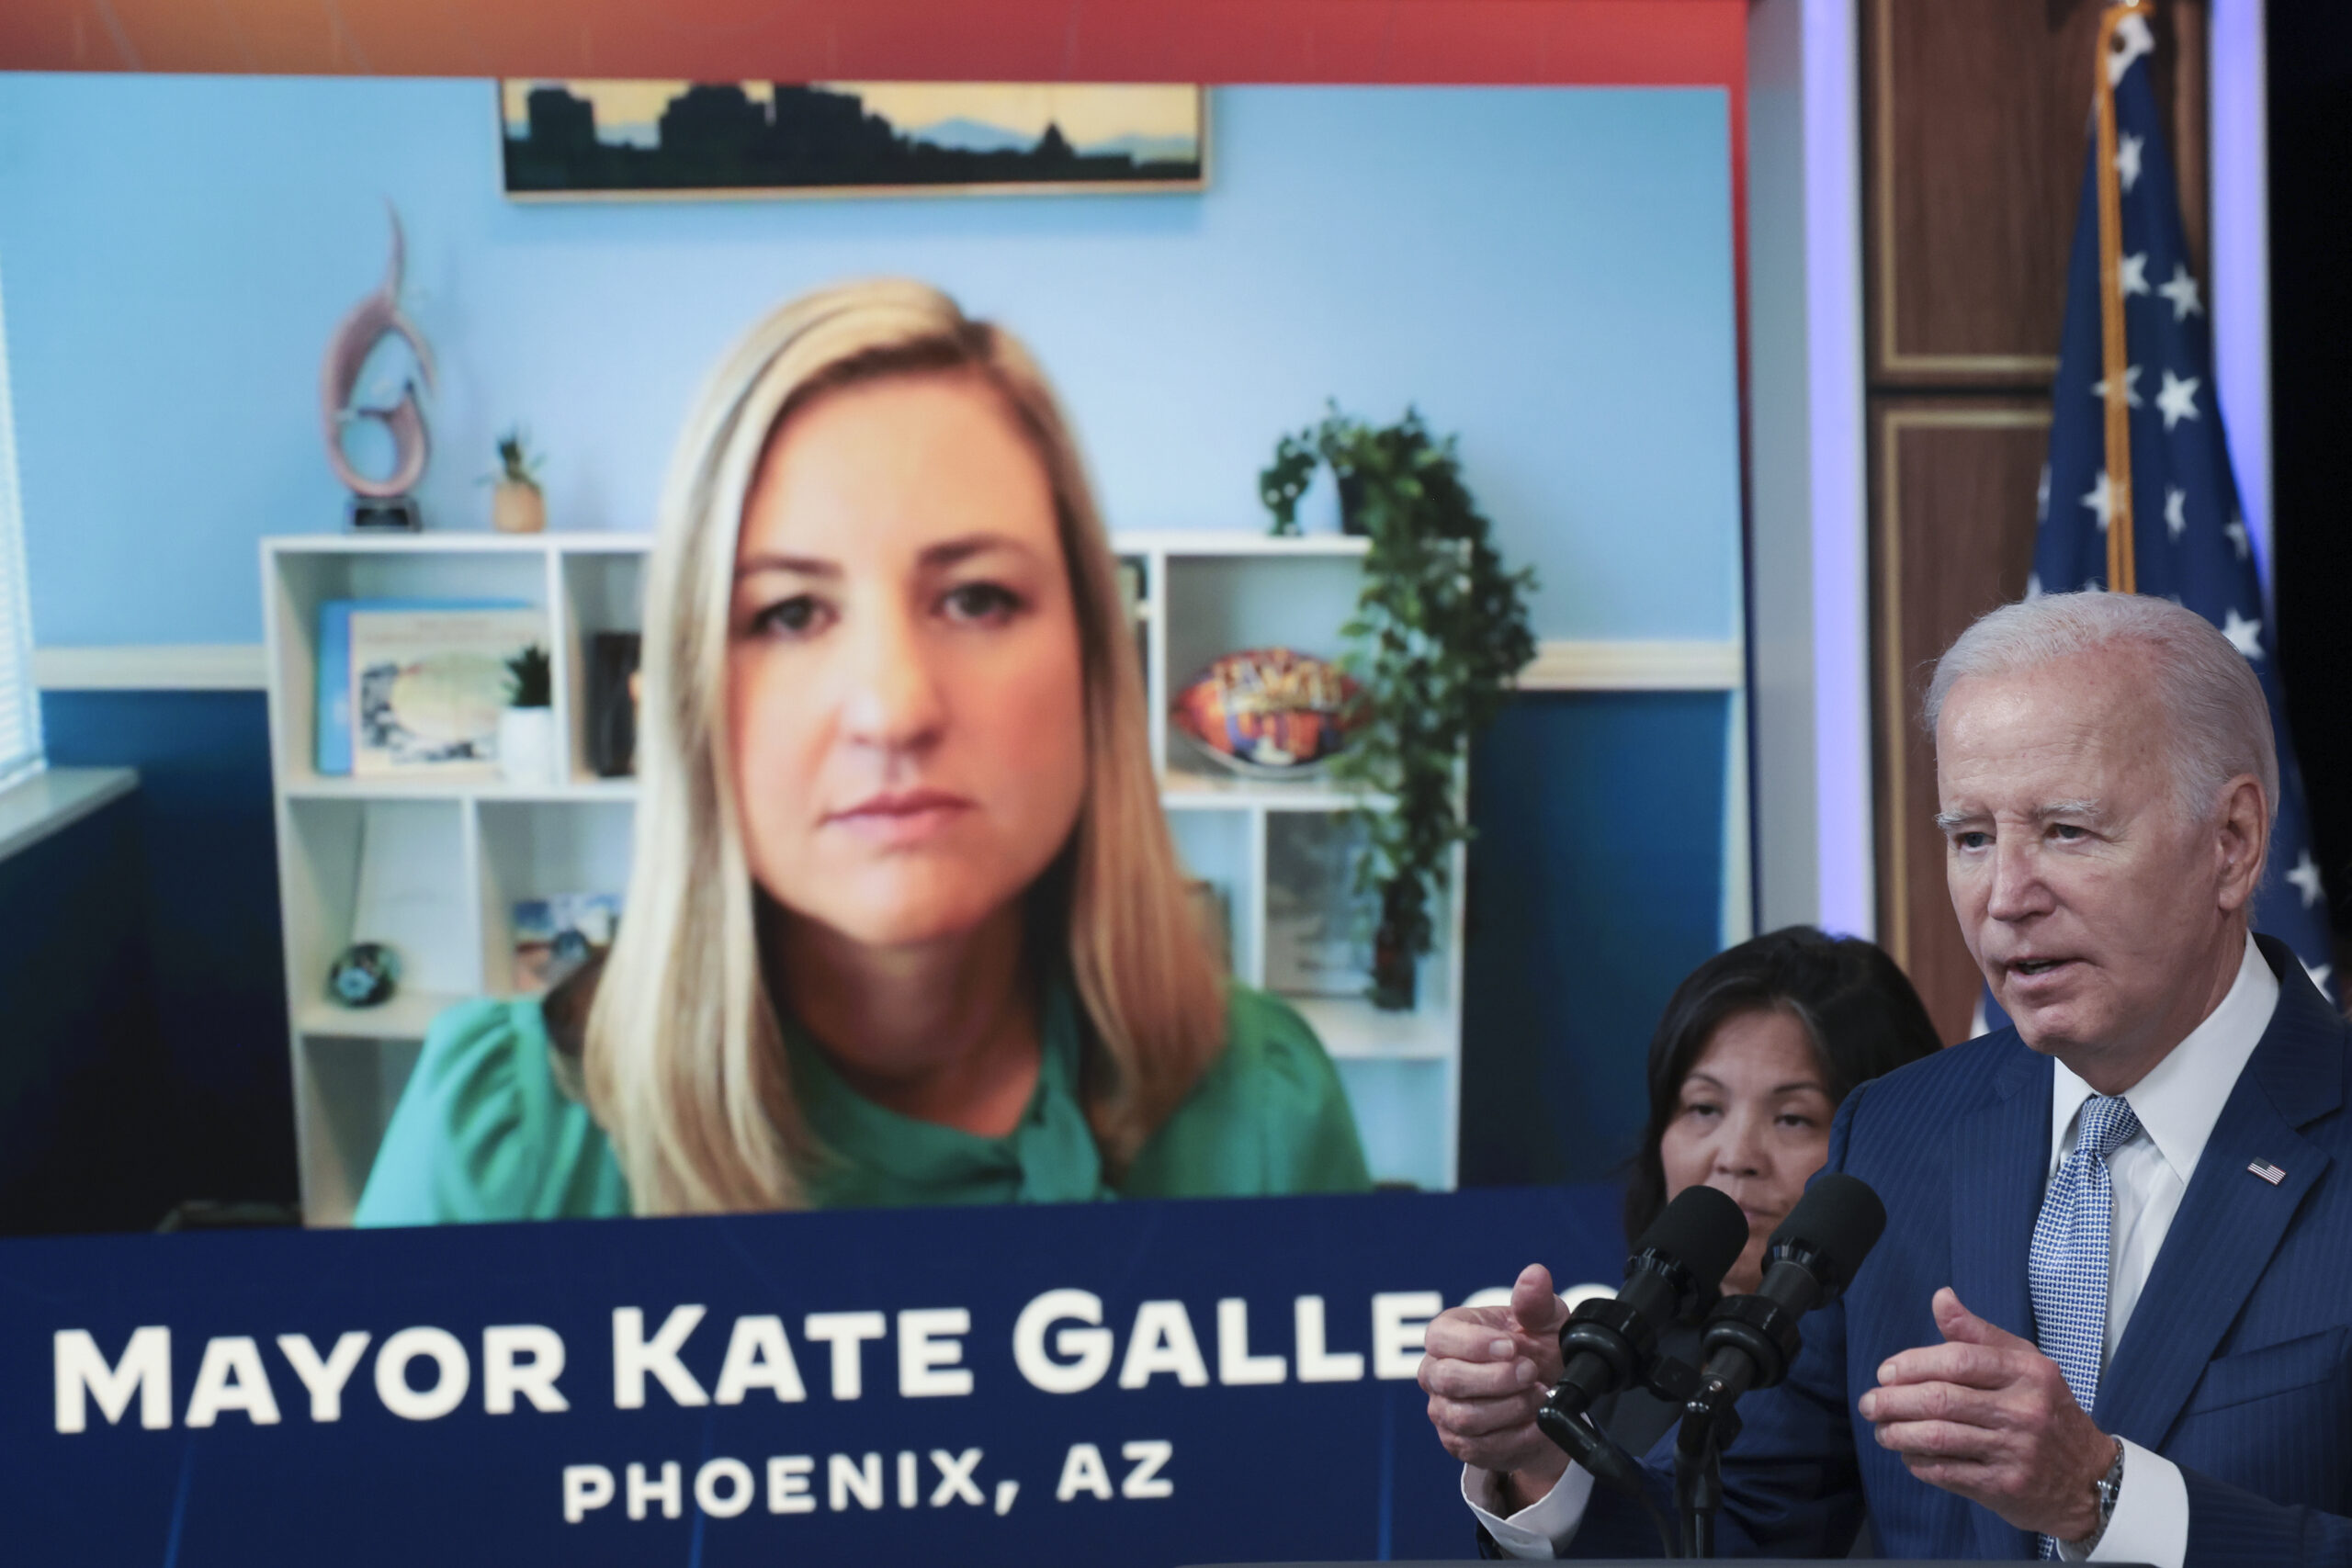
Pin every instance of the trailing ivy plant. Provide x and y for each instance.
(1438, 634)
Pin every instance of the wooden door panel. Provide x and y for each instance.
(1955, 489)
(1977, 114)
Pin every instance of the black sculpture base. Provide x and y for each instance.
(393, 515)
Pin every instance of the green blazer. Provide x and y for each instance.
(484, 1131)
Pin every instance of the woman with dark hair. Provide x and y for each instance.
(1757, 1046)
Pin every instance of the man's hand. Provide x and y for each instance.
(1485, 1370)
(1987, 1415)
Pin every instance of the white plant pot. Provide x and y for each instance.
(526, 747)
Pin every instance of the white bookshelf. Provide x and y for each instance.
(438, 864)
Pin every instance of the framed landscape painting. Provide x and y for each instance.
(689, 141)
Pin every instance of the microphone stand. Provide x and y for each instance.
(1764, 1333)
(1750, 1340)
(1610, 1345)
(1708, 1425)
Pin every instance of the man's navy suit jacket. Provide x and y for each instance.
(2236, 1364)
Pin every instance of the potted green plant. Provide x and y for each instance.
(1437, 638)
(526, 729)
(517, 504)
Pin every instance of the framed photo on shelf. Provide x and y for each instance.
(427, 688)
(1318, 927)
(557, 934)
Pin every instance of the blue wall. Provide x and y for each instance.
(1595, 886)
(1548, 272)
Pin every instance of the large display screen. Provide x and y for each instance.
(780, 651)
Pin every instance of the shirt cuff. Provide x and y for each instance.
(1544, 1528)
(2151, 1520)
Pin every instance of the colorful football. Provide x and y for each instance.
(1267, 709)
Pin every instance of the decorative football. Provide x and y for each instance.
(1267, 709)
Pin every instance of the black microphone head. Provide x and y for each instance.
(1834, 1225)
(1704, 1230)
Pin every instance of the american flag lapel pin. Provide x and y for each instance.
(2268, 1172)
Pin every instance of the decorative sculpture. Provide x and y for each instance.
(377, 503)
(364, 975)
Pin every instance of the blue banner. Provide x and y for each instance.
(1144, 1382)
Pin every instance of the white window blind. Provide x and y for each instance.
(19, 704)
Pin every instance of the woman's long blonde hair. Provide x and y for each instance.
(684, 1065)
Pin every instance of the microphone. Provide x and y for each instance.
(1677, 1263)
(1750, 1340)
(1608, 1345)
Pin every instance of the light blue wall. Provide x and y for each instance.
(1547, 272)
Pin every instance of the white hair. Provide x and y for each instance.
(2219, 719)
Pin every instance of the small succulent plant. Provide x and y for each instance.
(517, 463)
(528, 680)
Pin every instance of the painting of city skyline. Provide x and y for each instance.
(621, 140)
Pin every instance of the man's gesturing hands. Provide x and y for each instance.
(1486, 1371)
(1984, 1415)
(1987, 1415)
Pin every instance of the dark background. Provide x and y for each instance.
(2311, 419)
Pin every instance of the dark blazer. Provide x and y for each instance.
(2236, 1364)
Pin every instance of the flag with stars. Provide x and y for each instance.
(2189, 541)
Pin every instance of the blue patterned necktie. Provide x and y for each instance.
(2068, 1263)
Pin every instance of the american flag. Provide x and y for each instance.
(2190, 538)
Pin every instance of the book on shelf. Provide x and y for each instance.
(427, 688)
(332, 751)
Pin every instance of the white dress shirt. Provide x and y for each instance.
(2177, 1103)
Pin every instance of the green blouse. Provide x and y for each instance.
(484, 1131)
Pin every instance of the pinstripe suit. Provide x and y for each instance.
(2236, 1364)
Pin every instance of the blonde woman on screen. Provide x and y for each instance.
(904, 924)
